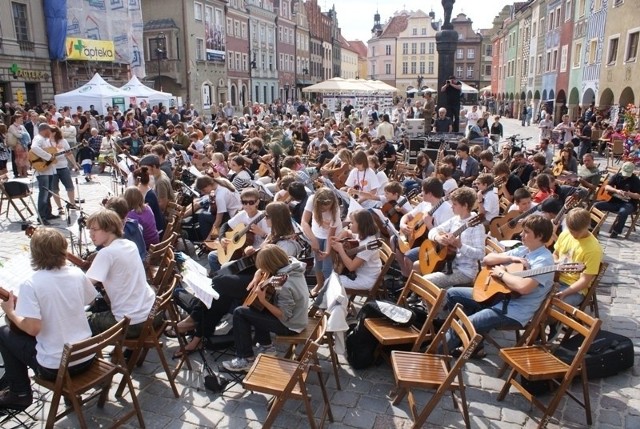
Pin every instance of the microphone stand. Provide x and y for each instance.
(82, 221)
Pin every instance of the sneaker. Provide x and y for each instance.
(613, 234)
(14, 401)
(269, 349)
(238, 364)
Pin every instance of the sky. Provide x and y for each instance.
(356, 16)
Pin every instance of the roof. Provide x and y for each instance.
(396, 25)
(160, 24)
(359, 47)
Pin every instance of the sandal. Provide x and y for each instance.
(179, 354)
(60, 211)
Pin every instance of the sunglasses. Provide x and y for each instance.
(250, 203)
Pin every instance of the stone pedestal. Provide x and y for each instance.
(446, 43)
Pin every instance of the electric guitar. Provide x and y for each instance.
(268, 284)
(239, 237)
(486, 288)
(505, 227)
(40, 164)
(432, 254)
(417, 227)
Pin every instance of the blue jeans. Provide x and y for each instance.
(622, 209)
(263, 323)
(214, 263)
(44, 197)
(324, 266)
(484, 319)
(574, 299)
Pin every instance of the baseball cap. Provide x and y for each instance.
(627, 169)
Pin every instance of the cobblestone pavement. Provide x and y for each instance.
(362, 402)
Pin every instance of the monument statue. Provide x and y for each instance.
(447, 5)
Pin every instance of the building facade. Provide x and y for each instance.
(286, 49)
(467, 57)
(238, 60)
(303, 49)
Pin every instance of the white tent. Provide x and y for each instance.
(137, 91)
(466, 89)
(96, 92)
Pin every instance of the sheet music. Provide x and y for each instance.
(16, 271)
(193, 170)
(195, 277)
(353, 206)
(341, 194)
(263, 187)
(185, 158)
(122, 163)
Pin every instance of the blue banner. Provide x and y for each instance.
(55, 12)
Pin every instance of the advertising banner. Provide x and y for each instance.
(90, 50)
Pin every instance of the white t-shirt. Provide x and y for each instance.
(62, 161)
(472, 118)
(322, 231)
(382, 181)
(38, 146)
(57, 298)
(449, 185)
(370, 269)
(119, 268)
(407, 207)
(243, 218)
(491, 205)
(367, 179)
(227, 201)
(444, 212)
(514, 206)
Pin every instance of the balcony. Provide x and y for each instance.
(26, 45)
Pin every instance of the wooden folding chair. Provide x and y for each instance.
(492, 246)
(537, 361)
(150, 339)
(590, 300)
(615, 151)
(386, 256)
(432, 370)
(98, 376)
(160, 261)
(12, 191)
(390, 334)
(632, 220)
(286, 379)
(597, 219)
(504, 205)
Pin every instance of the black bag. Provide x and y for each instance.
(609, 354)
(360, 343)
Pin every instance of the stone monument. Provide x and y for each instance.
(446, 43)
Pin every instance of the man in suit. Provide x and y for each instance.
(467, 164)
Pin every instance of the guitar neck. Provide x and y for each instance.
(537, 271)
(253, 222)
(436, 207)
(523, 215)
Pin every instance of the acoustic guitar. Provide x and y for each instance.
(604, 195)
(240, 237)
(418, 227)
(505, 227)
(571, 202)
(4, 295)
(268, 284)
(486, 288)
(391, 209)
(339, 175)
(432, 254)
(40, 164)
(351, 248)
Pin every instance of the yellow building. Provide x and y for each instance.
(349, 60)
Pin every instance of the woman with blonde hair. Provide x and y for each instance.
(141, 212)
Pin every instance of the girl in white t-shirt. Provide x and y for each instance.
(320, 222)
(362, 180)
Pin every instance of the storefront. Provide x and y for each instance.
(25, 81)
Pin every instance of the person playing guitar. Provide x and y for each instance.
(43, 330)
(468, 246)
(510, 182)
(487, 196)
(362, 181)
(577, 244)
(218, 193)
(432, 194)
(625, 188)
(247, 216)
(527, 293)
(286, 316)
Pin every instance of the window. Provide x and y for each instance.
(413, 67)
(548, 67)
(20, 21)
(230, 57)
(533, 29)
(387, 50)
(424, 31)
(613, 51)
(430, 67)
(551, 21)
(525, 68)
(405, 68)
(471, 53)
(577, 55)
(459, 71)
(532, 63)
(432, 48)
(541, 26)
(459, 54)
(422, 67)
(593, 51)
(539, 65)
(373, 51)
(387, 68)
(555, 60)
(238, 58)
(414, 31)
(488, 50)
(245, 62)
(199, 49)
(414, 48)
(632, 46)
(581, 8)
(567, 10)
(487, 70)
(243, 26)
(229, 27)
(236, 28)
(563, 58)
(197, 11)
(557, 17)
(423, 48)
(405, 49)
(469, 71)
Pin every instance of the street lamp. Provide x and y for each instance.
(161, 52)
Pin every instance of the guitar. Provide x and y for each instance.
(486, 287)
(391, 209)
(505, 227)
(604, 195)
(571, 202)
(240, 237)
(351, 249)
(247, 262)
(339, 175)
(40, 164)
(268, 284)
(432, 254)
(417, 227)
(4, 295)
(573, 178)
(75, 260)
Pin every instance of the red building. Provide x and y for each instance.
(566, 40)
(238, 61)
(286, 49)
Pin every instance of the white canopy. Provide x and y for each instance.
(350, 86)
(135, 88)
(96, 92)
(466, 89)
(486, 88)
